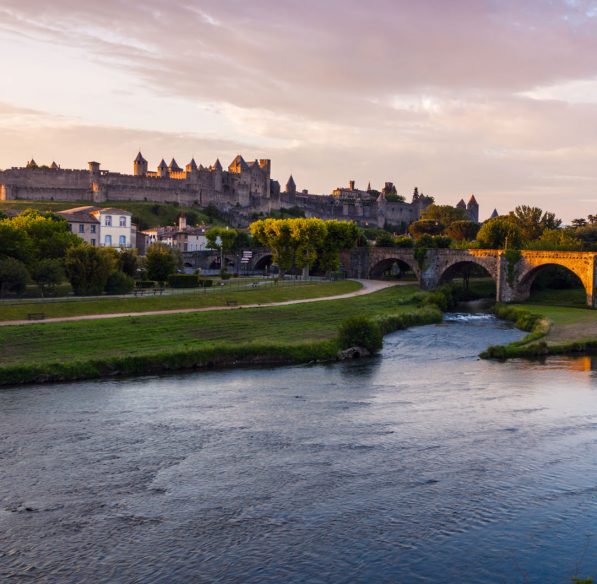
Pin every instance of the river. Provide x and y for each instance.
(425, 464)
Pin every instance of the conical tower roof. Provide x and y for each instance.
(461, 204)
(218, 164)
(140, 158)
(192, 165)
(494, 214)
(54, 166)
(472, 200)
(163, 164)
(290, 184)
(174, 165)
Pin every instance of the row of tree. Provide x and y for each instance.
(306, 243)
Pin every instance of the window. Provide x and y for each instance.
(108, 241)
(70, 226)
(93, 242)
(123, 222)
(122, 240)
(93, 229)
(108, 220)
(81, 228)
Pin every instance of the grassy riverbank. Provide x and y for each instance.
(557, 321)
(151, 344)
(200, 298)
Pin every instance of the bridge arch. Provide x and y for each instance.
(403, 263)
(450, 264)
(532, 270)
(464, 269)
(263, 262)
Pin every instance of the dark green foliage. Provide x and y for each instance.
(420, 228)
(404, 241)
(47, 274)
(88, 269)
(183, 281)
(463, 230)
(384, 239)
(361, 331)
(499, 233)
(160, 262)
(119, 283)
(206, 282)
(13, 276)
(128, 262)
(444, 215)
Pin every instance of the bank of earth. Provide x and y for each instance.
(557, 321)
(298, 333)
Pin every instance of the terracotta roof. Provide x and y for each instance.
(79, 216)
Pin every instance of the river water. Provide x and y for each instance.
(423, 465)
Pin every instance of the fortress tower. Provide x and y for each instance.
(140, 166)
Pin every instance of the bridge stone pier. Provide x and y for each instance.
(513, 273)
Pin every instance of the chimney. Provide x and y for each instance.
(351, 184)
(182, 222)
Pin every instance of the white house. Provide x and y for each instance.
(107, 227)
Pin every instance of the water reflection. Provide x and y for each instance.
(424, 465)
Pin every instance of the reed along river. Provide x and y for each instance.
(423, 465)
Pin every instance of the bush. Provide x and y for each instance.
(205, 282)
(225, 275)
(360, 332)
(183, 281)
(119, 283)
(404, 241)
(13, 276)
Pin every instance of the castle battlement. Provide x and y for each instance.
(243, 190)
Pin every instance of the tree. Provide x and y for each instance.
(420, 228)
(128, 262)
(13, 276)
(227, 237)
(499, 233)
(276, 234)
(47, 274)
(579, 222)
(557, 239)
(160, 262)
(88, 268)
(15, 243)
(243, 241)
(443, 214)
(119, 283)
(463, 230)
(309, 235)
(532, 221)
(339, 235)
(49, 233)
(588, 235)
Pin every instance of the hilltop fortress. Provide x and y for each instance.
(243, 191)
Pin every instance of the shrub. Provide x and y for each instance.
(13, 276)
(47, 275)
(183, 281)
(88, 268)
(205, 282)
(119, 283)
(360, 332)
(225, 275)
(404, 241)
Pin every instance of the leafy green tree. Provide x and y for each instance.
(420, 228)
(243, 241)
(360, 331)
(227, 237)
(580, 222)
(15, 243)
(339, 235)
(463, 230)
(532, 221)
(499, 233)
(443, 214)
(88, 268)
(588, 236)
(557, 239)
(160, 261)
(13, 276)
(309, 235)
(48, 232)
(48, 274)
(404, 241)
(277, 235)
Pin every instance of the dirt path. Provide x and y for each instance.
(369, 286)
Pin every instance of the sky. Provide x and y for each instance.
(486, 97)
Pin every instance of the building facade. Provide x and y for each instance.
(102, 227)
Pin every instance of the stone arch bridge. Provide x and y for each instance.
(513, 276)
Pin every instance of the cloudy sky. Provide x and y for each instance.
(492, 97)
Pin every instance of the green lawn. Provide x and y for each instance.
(40, 344)
(192, 299)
